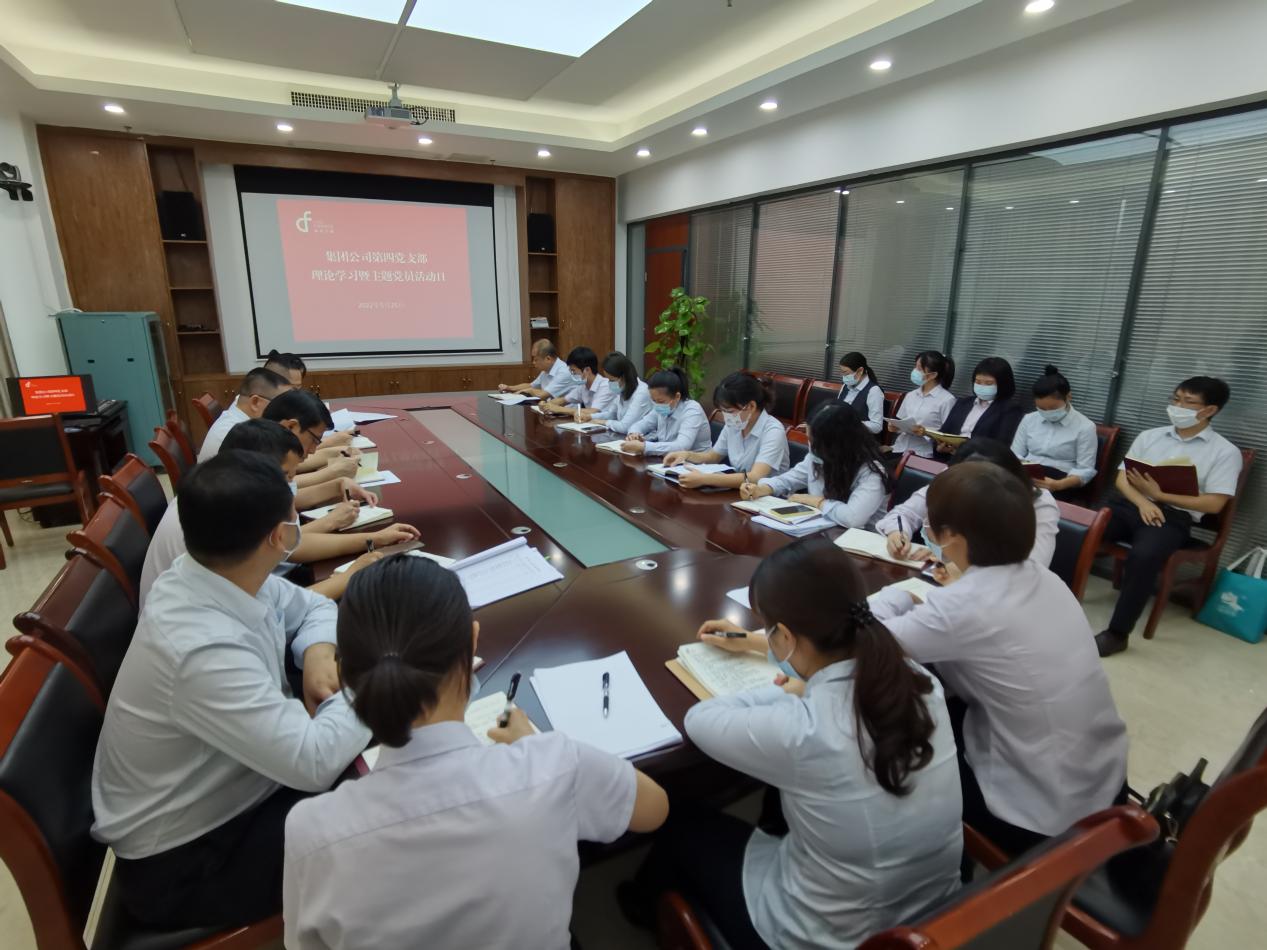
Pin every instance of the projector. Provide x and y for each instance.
(394, 115)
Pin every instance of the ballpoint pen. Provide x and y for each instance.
(369, 545)
(504, 719)
(607, 683)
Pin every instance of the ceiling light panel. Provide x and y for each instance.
(385, 11)
(567, 27)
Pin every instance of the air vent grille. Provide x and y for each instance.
(318, 100)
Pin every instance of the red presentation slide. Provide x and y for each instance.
(53, 394)
(363, 270)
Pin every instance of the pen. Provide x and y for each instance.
(369, 545)
(607, 684)
(504, 719)
(347, 494)
(732, 634)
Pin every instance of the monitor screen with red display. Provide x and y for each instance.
(39, 395)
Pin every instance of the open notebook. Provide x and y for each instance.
(614, 446)
(365, 515)
(480, 716)
(870, 544)
(586, 427)
(503, 571)
(780, 509)
(513, 399)
(717, 672)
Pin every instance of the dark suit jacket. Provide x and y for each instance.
(999, 421)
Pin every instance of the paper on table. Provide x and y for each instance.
(798, 530)
(341, 420)
(366, 514)
(673, 472)
(572, 696)
(770, 504)
(913, 585)
(858, 541)
(370, 479)
(503, 571)
(903, 425)
(439, 559)
(363, 442)
(513, 399)
(364, 415)
(480, 716)
(583, 426)
(740, 596)
(614, 446)
(723, 673)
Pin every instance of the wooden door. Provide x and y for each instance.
(584, 210)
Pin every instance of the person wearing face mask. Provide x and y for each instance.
(676, 422)
(842, 475)
(259, 388)
(1058, 437)
(590, 393)
(927, 405)
(631, 399)
(751, 442)
(1155, 523)
(990, 411)
(204, 748)
(862, 391)
(1042, 744)
(857, 740)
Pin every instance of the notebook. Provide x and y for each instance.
(372, 479)
(363, 442)
(914, 585)
(542, 409)
(951, 438)
(780, 509)
(481, 715)
(672, 473)
(799, 530)
(572, 696)
(365, 515)
(1177, 476)
(720, 672)
(614, 446)
(586, 427)
(513, 399)
(503, 571)
(870, 544)
(403, 548)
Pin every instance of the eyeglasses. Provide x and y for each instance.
(316, 439)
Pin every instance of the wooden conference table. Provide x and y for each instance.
(643, 562)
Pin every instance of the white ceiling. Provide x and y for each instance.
(225, 69)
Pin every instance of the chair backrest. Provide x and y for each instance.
(49, 723)
(116, 539)
(34, 451)
(715, 427)
(1221, 524)
(917, 472)
(785, 396)
(1020, 906)
(135, 484)
(180, 432)
(1105, 441)
(818, 393)
(169, 455)
(1078, 537)
(208, 408)
(87, 615)
(796, 452)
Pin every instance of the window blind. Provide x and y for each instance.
(1203, 302)
(795, 259)
(1048, 254)
(720, 254)
(895, 271)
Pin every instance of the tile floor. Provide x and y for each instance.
(1191, 692)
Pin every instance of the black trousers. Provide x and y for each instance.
(228, 877)
(1151, 547)
(699, 853)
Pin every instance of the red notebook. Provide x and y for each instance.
(1174, 478)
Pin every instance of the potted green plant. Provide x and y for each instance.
(680, 336)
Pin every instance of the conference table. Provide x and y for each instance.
(643, 562)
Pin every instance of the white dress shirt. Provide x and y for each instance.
(856, 859)
(1069, 446)
(201, 725)
(979, 406)
(167, 544)
(766, 442)
(1042, 734)
(448, 843)
(873, 412)
(597, 395)
(866, 494)
(927, 409)
(685, 429)
(622, 413)
(557, 380)
(913, 513)
(1218, 461)
(219, 429)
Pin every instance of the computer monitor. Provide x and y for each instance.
(40, 395)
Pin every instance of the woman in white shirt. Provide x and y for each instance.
(903, 522)
(1043, 745)
(862, 390)
(751, 442)
(842, 474)
(857, 740)
(631, 400)
(926, 406)
(676, 422)
(415, 854)
(1058, 437)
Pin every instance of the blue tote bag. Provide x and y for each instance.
(1238, 603)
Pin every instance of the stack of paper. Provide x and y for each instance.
(513, 399)
(363, 442)
(780, 509)
(723, 673)
(583, 426)
(481, 715)
(798, 530)
(673, 473)
(503, 571)
(364, 415)
(572, 696)
(870, 544)
(442, 561)
(740, 596)
(367, 479)
(903, 425)
(365, 515)
(614, 446)
(345, 419)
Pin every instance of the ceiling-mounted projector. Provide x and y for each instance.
(394, 115)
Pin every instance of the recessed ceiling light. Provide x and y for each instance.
(543, 153)
(881, 65)
(699, 131)
(424, 140)
(285, 127)
(567, 27)
(1007, 207)
(840, 191)
(643, 152)
(901, 201)
(845, 191)
(769, 105)
(1073, 201)
(1039, 6)
(950, 207)
(113, 107)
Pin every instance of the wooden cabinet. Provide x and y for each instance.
(584, 211)
(332, 385)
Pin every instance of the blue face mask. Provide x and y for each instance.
(614, 385)
(578, 380)
(935, 548)
(661, 408)
(852, 381)
(917, 377)
(1054, 415)
(785, 667)
(985, 392)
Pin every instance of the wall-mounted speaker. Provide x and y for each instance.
(541, 233)
(180, 216)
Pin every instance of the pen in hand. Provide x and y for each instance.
(607, 683)
(730, 634)
(504, 719)
(369, 545)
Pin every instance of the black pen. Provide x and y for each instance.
(731, 634)
(504, 719)
(607, 685)
(369, 545)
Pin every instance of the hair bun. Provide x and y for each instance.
(1050, 370)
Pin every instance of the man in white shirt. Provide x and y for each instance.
(590, 393)
(1155, 523)
(553, 376)
(259, 387)
(204, 748)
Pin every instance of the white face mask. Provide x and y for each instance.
(299, 533)
(733, 420)
(1182, 417)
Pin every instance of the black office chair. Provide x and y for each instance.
(116, 539)
(916, 473)
(797, 452)
(1078, 539)
(715, 427)
(135, 484)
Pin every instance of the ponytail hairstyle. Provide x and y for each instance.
(943, 366)
(814, 589)
(672, 380)
(404, 629)
(739, 389)
(983, 449)
(845, 445)
(857, 361)
(1051, 383)
(622, 367)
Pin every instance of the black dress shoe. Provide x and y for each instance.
(1109, 642)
